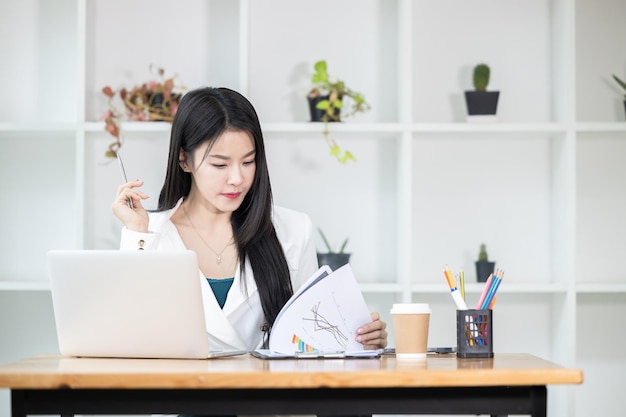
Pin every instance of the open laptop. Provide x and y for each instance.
(129, 304)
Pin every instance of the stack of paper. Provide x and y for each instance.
(322, 316)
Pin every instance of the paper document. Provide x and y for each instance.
(359, 354)
(322, 316)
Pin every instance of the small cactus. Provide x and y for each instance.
(482, 254)
(481, 77)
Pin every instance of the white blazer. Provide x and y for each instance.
(238, 324)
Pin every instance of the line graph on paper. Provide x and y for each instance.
(323, 315)
(325, 322)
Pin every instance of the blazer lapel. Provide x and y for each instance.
(233, 325)
(217, 322)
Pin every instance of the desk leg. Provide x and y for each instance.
(17, 404)
(540, 401)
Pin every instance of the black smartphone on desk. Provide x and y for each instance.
(447, 349)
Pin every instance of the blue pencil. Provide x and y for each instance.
(495, 284)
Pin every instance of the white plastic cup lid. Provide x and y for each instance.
(410, 308)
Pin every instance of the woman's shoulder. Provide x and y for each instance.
(286, 217)
(158, 219)
(291, 226)
(295, 233)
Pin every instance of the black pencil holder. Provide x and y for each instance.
(474, 334)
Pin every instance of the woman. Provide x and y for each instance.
(217, 201)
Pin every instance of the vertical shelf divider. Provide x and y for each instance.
(79, 151)
(404, 166)
(244, 46)
(564, 196)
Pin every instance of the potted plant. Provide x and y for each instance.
(326, 102)
(484, 267)
(481, 102)
(151, 101)
(623, 85)
(331, 258)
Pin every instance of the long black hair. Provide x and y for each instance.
(204, 115)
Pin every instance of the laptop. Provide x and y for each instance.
(129, 304)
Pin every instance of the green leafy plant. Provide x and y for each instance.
(342, 248)
(481, 77)
(154, 100)
(333, 105)
(336, 91)
(482, 253)
(621, 84)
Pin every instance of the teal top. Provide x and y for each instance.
(220, 288)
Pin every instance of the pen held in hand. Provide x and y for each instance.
(119, 159)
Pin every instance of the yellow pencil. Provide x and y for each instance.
(462, 279)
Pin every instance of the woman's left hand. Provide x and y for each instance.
(373, 335)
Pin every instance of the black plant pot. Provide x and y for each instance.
(483, 269)
(481, 103)
(161, 108)
(334, 260)
(317, 115)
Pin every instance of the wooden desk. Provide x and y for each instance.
(442, 384)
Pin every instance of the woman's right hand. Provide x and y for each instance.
(136, 218)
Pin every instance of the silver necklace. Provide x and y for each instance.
(218, 254)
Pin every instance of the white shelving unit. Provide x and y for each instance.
(543, 187)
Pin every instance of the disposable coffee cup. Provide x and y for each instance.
(410, 328)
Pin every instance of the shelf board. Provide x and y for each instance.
(532, 288)
(130, 127)
(29, 127)
(473, 288)
(343, 127)
(601, 288)
(272, 128)
(477, 288)
(601, 127)
(493, 129)
(442, 128)
(24, 285)
(45, 286)
(425, 129)
(419, 129)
